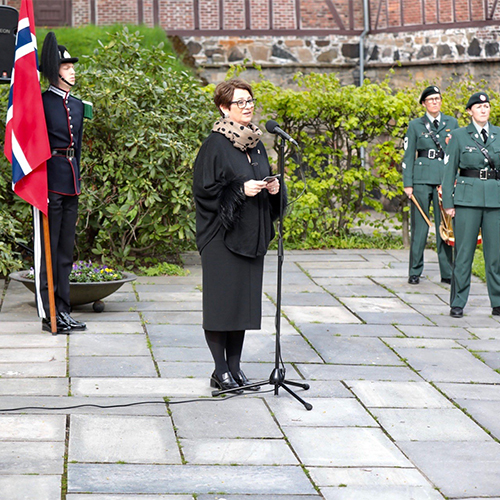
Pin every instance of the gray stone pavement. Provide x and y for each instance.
(405, 398)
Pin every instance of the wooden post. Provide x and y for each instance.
(50, 275)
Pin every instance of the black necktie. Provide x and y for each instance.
(485, 135)
(436, 124)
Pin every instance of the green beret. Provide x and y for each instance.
(432, 89)
(477, 98)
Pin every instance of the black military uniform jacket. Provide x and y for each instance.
(64, 117)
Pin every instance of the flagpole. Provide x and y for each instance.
(50, 275)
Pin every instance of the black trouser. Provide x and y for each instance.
(63, 212)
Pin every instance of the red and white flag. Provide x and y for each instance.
(26, 140)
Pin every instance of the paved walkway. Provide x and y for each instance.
(406, 399)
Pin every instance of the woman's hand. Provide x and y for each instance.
(450, 211)
(253, 187)
(273, 187)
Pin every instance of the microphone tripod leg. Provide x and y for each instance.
(307, 406)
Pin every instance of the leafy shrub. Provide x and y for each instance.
(149, 120)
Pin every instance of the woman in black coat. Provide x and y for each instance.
(235, 209)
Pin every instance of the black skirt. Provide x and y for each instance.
(232, 288)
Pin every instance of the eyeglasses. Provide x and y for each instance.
(433, 99)
(242, 104)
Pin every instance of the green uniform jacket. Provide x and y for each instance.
(424, 170)
(464, 153)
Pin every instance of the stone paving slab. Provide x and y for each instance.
(310, 330)
(309, 299)
(173, 318)
(372, 477)
(25, 457)
(189, 354)
(345, 447)
(382, 493)
(356, 351)
(15, 340)
(128, 497)
(34, 386)
(471, 391)
(323, 314)
(262, 348)
(433, 332)
(32, 427)
(48, 368)
(124, 439)
(157, 387)
(485, 413)
(110, 327)
(176, 336)
(112, 366)
(481, 345)
(238, 452)
(108, 345)
(329, 412)
(448, 365)
(225, 419)
(429, 424)
(348, 372)
(118, 478)
(458, 469)
(33, 355)
(366, 290)
(26, 487)
(375, 394)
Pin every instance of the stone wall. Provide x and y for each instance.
(434, 55)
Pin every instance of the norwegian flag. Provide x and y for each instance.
(26, 140)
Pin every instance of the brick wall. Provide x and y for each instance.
(314, 14)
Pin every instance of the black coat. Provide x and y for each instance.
(64, 117)
(220, 170)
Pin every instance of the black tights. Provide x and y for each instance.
(226, 348)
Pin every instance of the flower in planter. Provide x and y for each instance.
(87, 272)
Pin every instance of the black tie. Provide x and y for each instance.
(485, 135)
(436, 124)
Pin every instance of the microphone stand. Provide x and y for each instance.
(277, 377)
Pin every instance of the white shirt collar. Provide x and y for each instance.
(479, 128)
(431, 118)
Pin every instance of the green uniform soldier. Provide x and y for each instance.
(474, 201)
(424, 145)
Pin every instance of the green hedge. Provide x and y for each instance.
(150, 117)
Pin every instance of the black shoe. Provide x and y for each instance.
(457, 312)
(242, 380)
(62, 326)
(72, 323)
(446, 280)
(225, 382)
(414, 280)
(496, 311)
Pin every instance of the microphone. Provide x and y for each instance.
(273, 128)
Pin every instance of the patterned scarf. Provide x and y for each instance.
(242, 137)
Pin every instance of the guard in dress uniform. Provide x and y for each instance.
(424, 145)
(471, 194)
(64, 116)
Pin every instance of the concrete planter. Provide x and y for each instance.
(82, 293)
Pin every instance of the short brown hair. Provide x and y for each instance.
(224, 92)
